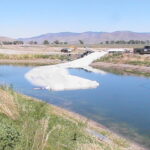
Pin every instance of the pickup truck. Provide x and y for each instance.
(145, 50)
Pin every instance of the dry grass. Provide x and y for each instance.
(8, 105)
(42, 135)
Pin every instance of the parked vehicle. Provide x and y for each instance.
(86, 53)
(145, 50)
(66, 50)
(117, 50)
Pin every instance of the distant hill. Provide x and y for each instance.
(2, 38)
(89, 37)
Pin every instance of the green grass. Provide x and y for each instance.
(140, 63)
(111, 58)
(125, 71)
(130, 59)
(33, 56)
(40, 126)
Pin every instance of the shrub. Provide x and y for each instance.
(9, 135)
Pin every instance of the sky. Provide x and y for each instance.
(27, 18)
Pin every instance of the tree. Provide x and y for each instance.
(7, 43)
(143, 42)
(147, 42)
(35, 42)
(31, 42)
(131, 42)
(56, 42)
(112, 42)
(81, 42)
(45, 42)
(18, 42)
(65, 43)
(107, 42)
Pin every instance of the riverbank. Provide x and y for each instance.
(34, 124)
(33, 59)
(30, 62)
(126, 58)
(127, 63)
(122, 68)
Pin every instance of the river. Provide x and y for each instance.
(121, 102)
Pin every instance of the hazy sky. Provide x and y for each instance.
(25, 18)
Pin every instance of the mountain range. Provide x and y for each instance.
(89, 37)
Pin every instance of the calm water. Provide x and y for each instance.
(121, 103)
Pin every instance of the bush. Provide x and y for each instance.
(45, 42)
(9, 136)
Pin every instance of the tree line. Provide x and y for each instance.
(12, 43)
(46, 42)
(57, 42)
(126, 42)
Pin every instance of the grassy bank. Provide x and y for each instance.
(32, 56)
(32, 59)
(38, 62)
(123, 71)
(133, 59)
(125, 64)
(29, 124)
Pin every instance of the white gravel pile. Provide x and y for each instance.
(57, 77)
